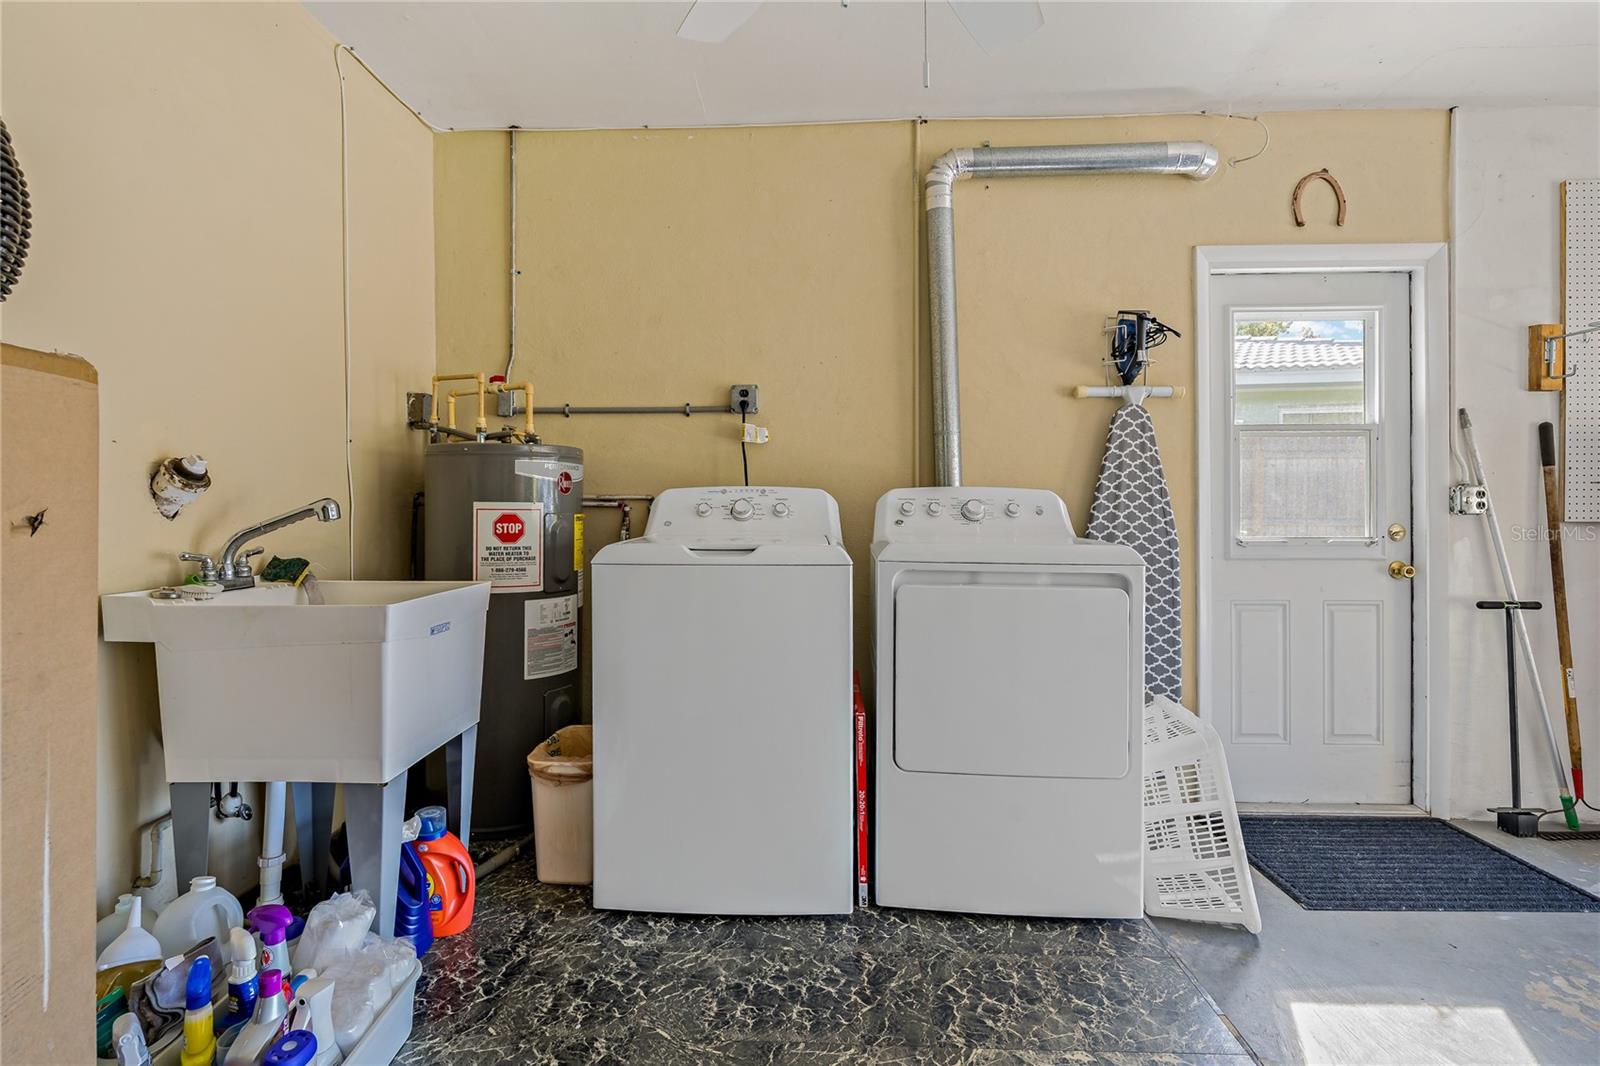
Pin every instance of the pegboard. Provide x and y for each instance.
(1580, 305)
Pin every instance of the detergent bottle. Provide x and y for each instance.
(451, 877)
(413, 917)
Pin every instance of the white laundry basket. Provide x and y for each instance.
(1194, 860)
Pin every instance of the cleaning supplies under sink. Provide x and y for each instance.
(313, 1011)
(272, 921)
(107, 929)
(450, 872)
(242, 983)
(264, 1027)
(133, 944)
(207, 909)
(199, 1029)
(127, 1042)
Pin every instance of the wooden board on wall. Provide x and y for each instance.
(49, 461)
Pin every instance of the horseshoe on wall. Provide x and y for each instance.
(1300, 188)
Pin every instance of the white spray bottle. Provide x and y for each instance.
(313, 1011)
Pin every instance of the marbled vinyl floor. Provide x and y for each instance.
(543, 978)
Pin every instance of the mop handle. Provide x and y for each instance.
(1476, 463)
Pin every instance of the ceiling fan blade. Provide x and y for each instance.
(998, 24)
(714, 21)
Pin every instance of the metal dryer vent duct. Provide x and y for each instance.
(1195, 158)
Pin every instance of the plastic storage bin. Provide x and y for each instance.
(562, 773)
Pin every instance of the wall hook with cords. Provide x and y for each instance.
(1300, 189)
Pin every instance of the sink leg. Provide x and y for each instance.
(313, 818)
(191, 829)
(373, 816)
(460, 758)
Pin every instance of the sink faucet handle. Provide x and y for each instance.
(208, 565)
(241, 562)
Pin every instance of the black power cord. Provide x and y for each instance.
(744, 454)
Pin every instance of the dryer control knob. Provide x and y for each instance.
(906, 507)
(1012, 510)
(702, 509)
(972, 510)
(935, 507)
(741, 510)
(780, 510)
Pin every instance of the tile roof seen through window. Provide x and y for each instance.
(1295, 353)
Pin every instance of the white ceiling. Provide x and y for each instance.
(585, 65)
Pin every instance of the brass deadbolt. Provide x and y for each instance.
(1397, 532)
(1402, 571)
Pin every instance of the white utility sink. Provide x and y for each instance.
(259, 684)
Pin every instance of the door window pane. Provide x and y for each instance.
(1305, 484)
(1299, 371)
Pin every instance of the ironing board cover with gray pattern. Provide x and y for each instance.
(1132, 506)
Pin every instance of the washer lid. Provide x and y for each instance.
(1013, 680)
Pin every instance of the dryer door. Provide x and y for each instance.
(1017, 680)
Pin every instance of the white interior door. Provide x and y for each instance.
(1309, 664)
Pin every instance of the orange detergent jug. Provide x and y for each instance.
(452, 882)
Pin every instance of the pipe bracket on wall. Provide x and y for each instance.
(748, 394)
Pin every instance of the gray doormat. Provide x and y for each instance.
(1398, 864)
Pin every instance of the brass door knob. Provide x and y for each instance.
(1402, 571)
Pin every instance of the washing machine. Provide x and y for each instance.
(1010, 693)
(723, 746)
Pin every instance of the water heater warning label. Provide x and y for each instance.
(506, 543)
(552, 636)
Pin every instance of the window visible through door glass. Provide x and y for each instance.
(1299, 371)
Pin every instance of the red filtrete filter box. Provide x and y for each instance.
(860, 710)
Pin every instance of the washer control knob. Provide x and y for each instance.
(906, 507)
(1012, 510)
(935, 507)
(702, 508)
(972, 510)
(741, 510)
(780, 510)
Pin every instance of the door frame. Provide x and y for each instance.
(1429, 267)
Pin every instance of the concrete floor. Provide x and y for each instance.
(1352, 988)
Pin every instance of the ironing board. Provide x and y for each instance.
(1132, 507)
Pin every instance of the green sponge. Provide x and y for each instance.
(291, 570)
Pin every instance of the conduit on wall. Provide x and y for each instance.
(1194, 158)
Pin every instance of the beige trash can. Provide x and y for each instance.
(562, 772)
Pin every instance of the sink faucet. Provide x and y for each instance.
(234, 572)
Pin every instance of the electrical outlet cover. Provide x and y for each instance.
(750, 394)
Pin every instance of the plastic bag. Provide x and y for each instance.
(335, 929)
(363, 983)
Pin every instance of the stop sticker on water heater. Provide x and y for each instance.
(506, 543)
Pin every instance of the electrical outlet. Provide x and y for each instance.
(419, 407)
(1468, 499)
(746, 394)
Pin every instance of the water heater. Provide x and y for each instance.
(509, 513)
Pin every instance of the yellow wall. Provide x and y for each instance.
(663, 266)
(184, 165)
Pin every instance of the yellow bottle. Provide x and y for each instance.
(199, 1038)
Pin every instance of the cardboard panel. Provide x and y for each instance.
(49, 462)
